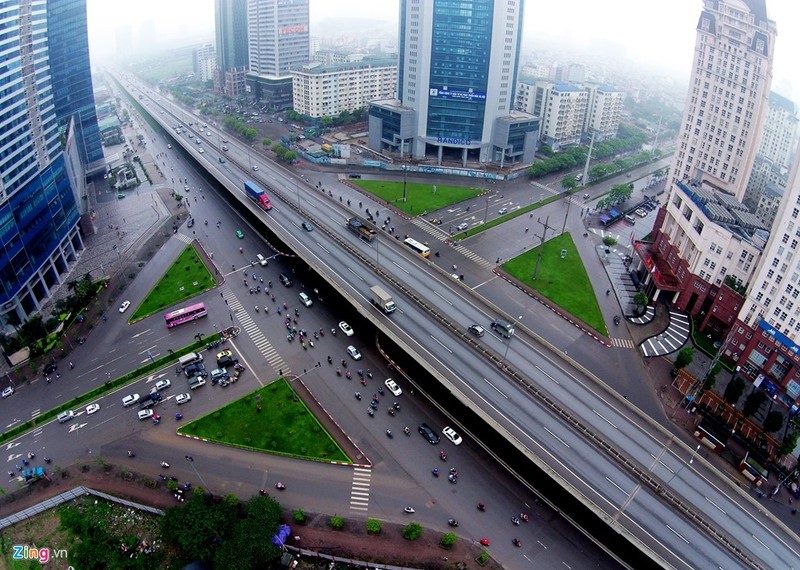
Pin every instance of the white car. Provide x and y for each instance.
(353, 351)
(502, 211)
(169, 145)
(202, 151)
(462, 226)
(162, 384)
(124, 306)
(452, 435)
(182, 398)
(393, 387)
(346, 329)
(130, 400)
(255, 167)
(7, 392)
(144, 414)
(92, 408)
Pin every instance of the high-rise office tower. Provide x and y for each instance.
(456, 84)
(231, 27)
(40, 238)
(706, 242)
(278, 41)
(70, 73)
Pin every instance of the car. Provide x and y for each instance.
(393, 387)
(144, 414)
(224, 353)
(346, 329)
(354, 176)
(240, 234)
(183, 398)
(452, 435)
(455, 276)
(285, 279)
(426, 432)
(308, 227)
(130, 400)
(169, 146)
(255, 167)
(195, 369)
(219, 373)
(92, 408)
(227, 361)
(353, 351)
(7, 391)
(477, 330)
(225, 141)
(305, 300)
(262, 261)
(462, 226)
(221, 160)
(162, 384)
(190, 223)
(50, 368)
(225, 148)
(208, 134)
(641, 213)
(65, 416)
(502, 211)
(202, 151)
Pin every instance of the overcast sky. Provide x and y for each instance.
(663, 35)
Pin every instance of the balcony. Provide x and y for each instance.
(661, 272)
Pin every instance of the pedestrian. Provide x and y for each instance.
(259, 408)
(608, 292)
(71, 366)
(105, 318)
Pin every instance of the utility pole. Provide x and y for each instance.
(545, 227)
(588, 160)
(566, 214)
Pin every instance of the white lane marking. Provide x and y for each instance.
(564, 443)
(403, 269)
(498, 390)
(443, 298)
(441, 344)
(681, 536)
(601, 416)
(624, 492)
(715, 505)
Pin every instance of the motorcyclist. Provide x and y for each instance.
(389, 432)
(330, 360)
(406, 431)
(131, 453)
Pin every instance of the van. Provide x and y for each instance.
(190, 358)
(305, 299)
(262, 261)
(503, 328)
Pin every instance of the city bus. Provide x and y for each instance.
(186, 314)
(420, 248)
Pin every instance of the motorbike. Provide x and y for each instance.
(452, 522)
(47, 460)
(321, 332)
(297, 312)
(165, 465)
(515, 520)
(263, 492)
(452, 478)
(516, 542)
(333, 332)
(316, 335)
(407, 431)
(178, 416)
(131, 454)
(206, 222)
(616, 319)
(348, 375)
(391, 411)
(344, 363)
(156, 419)
(338, 371)
(280, 486)
(482, 507)
(389, 434)
(360, 372)
(330, 360)
(373, 404)
(369, 374)
(396, 406)
(370, 412)
(358, 396)
(442, 456)
(485, 542)
(409, 510)
(524, 517)
(435, 472)
(363, 382)
(380, 390)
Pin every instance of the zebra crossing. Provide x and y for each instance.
(442, 235)
(622, 342)
(184, 238)
(359, 492)
(248, 325)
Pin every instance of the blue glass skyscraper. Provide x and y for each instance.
(39, 238)
(70, 72)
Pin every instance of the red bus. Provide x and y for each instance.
(186, 314)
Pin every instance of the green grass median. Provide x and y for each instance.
(420, 198)
(272, 419)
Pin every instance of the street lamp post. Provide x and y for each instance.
(405, 182)
(508, 340)
(190, 459)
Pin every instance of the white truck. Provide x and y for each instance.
(381, 299)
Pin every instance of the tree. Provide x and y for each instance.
(753, 403)
(640, 299)
(734, 390)
(266, 142)
(373, 526)
(198, 525)
(711, 377)
(619, 193)
(336, 523)
(448, 540)
(299, 516)
(684, 358)
(569, 183)
(789, 443)
(773, 422)
(412, 531)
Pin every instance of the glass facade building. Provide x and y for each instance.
(457, 72)
(38, 215)
(71, 77)
(231, 26)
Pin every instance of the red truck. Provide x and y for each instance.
(257, 195)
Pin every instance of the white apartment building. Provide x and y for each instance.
(562, 109)
(769, 203)
(204, 62)
(327, 90)
(780, 131)
(604, 111)
(716, 148)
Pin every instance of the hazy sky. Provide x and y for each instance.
(663, 36)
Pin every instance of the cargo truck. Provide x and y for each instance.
(381, 299)
(361, 228)
(257, 195)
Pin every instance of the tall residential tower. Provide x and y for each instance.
(706, 242)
